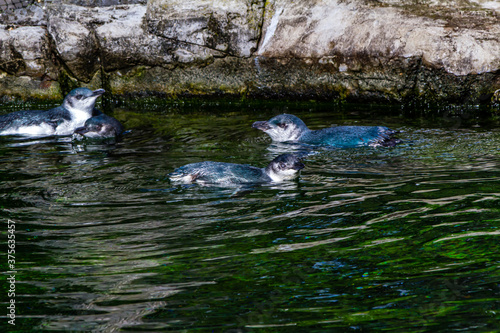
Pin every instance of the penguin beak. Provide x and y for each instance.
(98, 92)
(261, 125)
(81, 130)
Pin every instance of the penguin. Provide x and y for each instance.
(99, 127)
(282, 168)
(77, 107)
(290, 128)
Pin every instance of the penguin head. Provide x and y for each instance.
(101, 126)
(82, 99)
(282, 128)
(284, 167)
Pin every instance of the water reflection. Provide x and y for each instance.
(365, 239)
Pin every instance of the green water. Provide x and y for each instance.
(367, 239)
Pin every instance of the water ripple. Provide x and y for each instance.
(366, 239)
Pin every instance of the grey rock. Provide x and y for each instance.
(385, 50)
(125, 42)
(230, 26)
(76, 45)
(357, 29)
(24, 51)
(34, 15)
(26, 69)
(114, 38)
(104, 3)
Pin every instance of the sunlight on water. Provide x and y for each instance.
(397, 239)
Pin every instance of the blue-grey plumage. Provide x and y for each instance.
(77, 107)
(99, 127)
(283, 167)
(289, 128)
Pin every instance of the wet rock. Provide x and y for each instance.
(223, 76)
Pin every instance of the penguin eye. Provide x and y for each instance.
(282, 165)
(79, 97)
(282, 125)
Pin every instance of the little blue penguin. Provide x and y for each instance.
(99, 127)
(283, 167)
(77, 107)
(289, 128)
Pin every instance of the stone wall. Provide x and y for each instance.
(355, 50)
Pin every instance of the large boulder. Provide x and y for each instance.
(459, 40)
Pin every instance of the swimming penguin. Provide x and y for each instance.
(283, 167)
(99, 127)
(289, 128)
(77, 107)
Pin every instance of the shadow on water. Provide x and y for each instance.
(396, 239)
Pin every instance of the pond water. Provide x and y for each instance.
(366, 239)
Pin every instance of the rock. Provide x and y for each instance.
(115, 38)
(223, 76)
(26, 66)
(11, 61)
(104, 3)
(33, 15)
(355, 50)
(125, 43)
(76, 45)
(358, 29)
(229, 26)
(25, 51)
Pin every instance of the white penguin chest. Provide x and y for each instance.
(78, 119)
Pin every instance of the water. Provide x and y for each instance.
(367, 239)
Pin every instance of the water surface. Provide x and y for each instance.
(393, 239)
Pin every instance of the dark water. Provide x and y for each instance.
(367, 239)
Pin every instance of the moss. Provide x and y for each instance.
(409, 82)
(67, 83)
(343, 91)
